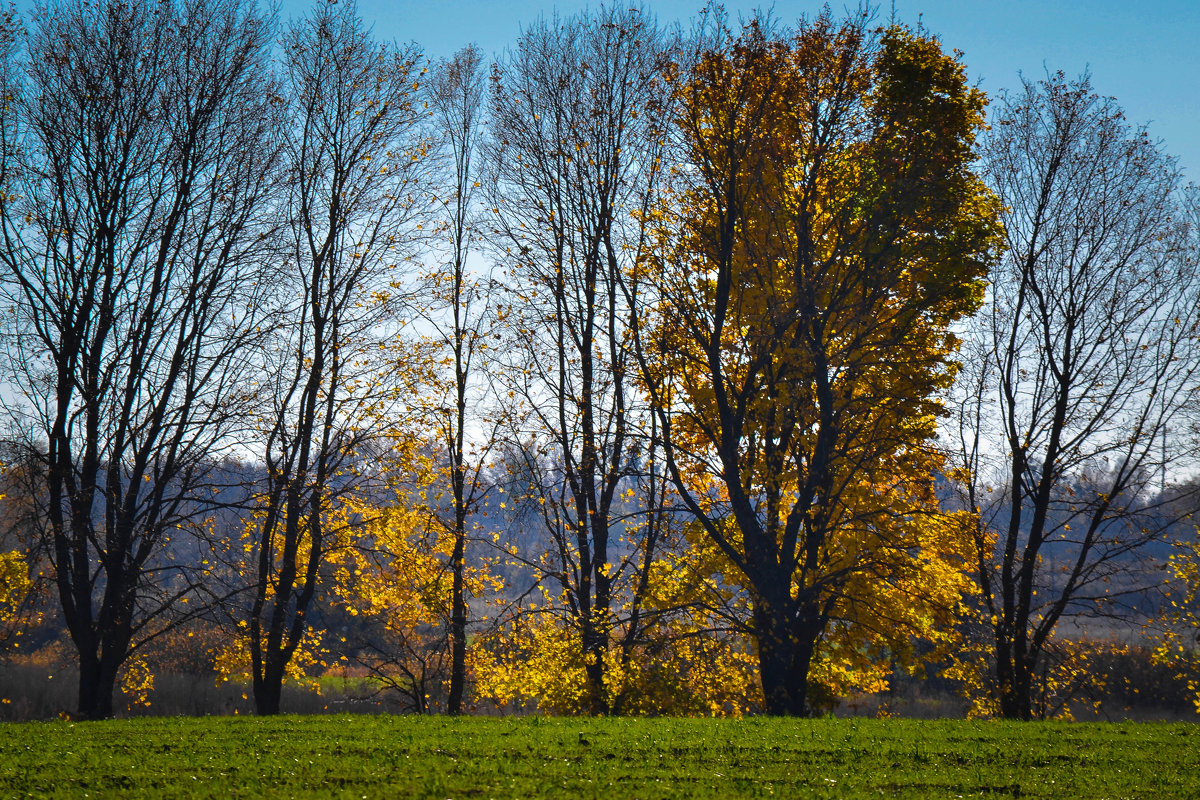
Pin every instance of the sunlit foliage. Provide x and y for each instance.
(823, 232)
(1179, 624)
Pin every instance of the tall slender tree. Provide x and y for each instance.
(355, 150)
(461, 317)
(575, 159)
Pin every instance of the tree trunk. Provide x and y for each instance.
(268, 687)
(593, 650)
(1015, 703)
(458, 621)
(97, 685)
(1014, 676)
(100, 658)
(785, 652)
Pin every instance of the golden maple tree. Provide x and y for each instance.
(400, 574)
(823, 232)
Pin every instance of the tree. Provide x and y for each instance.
(25, 572)
(1085, 363)
(823, 232)
(138, 147)
(1177, 634)
(574, 155)
(335, 382)
(457, 100)
(679, 648)
(400, 580)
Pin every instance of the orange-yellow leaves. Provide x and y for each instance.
(14, 583)
(1177, 628)
(809, 266)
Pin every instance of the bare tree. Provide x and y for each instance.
(137, 148)
(1083, 366)
(575, 160)
(461, 317)
(355, 152)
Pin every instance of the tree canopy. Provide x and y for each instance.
(823, 231)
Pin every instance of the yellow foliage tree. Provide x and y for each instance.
(681, 658)
(387, 559)
(14, 585)
(1178, 635)
(401, 573)
(823, 232)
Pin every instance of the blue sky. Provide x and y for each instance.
(1145, 54)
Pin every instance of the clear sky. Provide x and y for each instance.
(1146, 54)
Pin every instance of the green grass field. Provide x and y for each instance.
(357, 756)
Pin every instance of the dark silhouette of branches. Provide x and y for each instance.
(1082, 370)
(138, 151)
